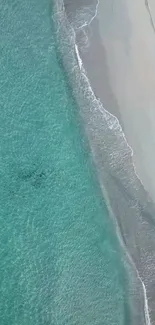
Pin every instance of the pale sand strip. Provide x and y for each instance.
(128, 36)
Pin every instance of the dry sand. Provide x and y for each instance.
(128, 36)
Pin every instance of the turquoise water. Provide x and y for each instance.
(59, 257)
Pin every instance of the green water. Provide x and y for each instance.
(59, 259)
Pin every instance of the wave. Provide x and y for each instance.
(127, 201)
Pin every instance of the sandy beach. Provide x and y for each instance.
(118, 53)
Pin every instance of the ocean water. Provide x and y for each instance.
(60, 260)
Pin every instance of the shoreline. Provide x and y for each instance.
(118, 113)
(115, 169)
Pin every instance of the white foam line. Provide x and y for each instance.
(78, 56)
(146, 308)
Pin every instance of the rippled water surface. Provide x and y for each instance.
(59, 257)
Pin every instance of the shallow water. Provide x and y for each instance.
(60, 258)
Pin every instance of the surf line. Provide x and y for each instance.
(81, 67)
